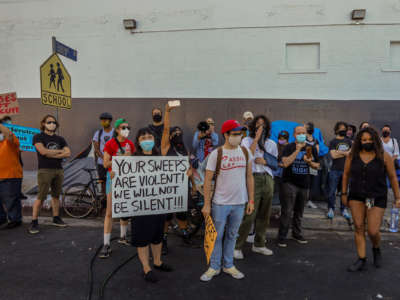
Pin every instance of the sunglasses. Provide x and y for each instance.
(51, 122)
(237, 134)
(125, 127)
(211, 123)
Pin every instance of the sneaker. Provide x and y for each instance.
(124, 241)
(14, 224)
(238, 254)
(310, 204)
(330, 214)
(250, 238)
(300, 239)
(57, 221)
(235, 273)
(151, 277)
(262, 250)
(33, 228)
(282, 243)
(105, 251)
(209, 274)
(359, 265)
(346, 214)
(377, 257)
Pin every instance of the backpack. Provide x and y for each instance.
(218, 165)
(99, 136)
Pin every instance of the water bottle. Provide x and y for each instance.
(394, 220)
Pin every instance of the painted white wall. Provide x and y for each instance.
(235, 62)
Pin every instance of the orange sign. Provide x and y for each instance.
(209, 238)
(9, 104)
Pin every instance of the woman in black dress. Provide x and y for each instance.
(148, 230)
(366, 169)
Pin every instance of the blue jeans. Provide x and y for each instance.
(230, 216)
(335, 176)
(10, 197)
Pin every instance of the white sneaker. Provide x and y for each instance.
(209, 274)
(250, 238)
(262, 250)
(235, 273)
(238, 254)
(310, 204)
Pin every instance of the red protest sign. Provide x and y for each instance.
(9, 104)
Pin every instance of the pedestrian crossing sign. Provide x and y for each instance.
(55, 83)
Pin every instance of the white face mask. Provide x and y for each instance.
(51, 127)
(234, 141)
(125, 133)
(1, 137)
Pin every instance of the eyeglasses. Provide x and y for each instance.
(125, 127)
(211, 123)
(51, 122)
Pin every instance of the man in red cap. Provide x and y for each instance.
(234, 187)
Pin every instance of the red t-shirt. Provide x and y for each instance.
(113, 149)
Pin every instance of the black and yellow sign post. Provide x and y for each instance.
(55, 81)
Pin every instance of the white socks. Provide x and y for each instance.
(124, 230)
(107, 237)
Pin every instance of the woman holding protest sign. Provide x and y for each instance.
(172, 145)
(117, 146)
(148, 230)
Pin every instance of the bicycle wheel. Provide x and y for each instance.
(78, 200)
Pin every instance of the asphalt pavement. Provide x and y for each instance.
(54, 265)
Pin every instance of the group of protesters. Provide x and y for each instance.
(236, 178)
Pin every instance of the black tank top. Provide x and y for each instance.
(368, 180)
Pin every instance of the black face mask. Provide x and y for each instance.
(157, 118)
(342, 133)
(310, 130)
(177, 140)
(368, 147)
(386, 133)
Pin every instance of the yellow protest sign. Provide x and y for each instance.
(209, 238)
(55, 83)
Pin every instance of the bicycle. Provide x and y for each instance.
(80, 200)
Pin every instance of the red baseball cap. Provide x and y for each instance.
(231, 125)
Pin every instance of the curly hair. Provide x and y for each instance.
(338, 124)
(356, 148)
(253, 129)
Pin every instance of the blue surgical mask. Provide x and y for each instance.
(301, 138)
(147, 145)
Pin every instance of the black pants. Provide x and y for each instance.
(293, 199)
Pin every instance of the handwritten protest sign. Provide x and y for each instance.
(24, 135)
(210, 237)
(9, 104)
(149, 185)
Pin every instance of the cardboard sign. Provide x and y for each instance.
(149, 185)
(24, 135)
(8, 104)
(210, 237)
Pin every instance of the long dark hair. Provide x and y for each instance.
(181, 149)
(356, 148)
(44, 120)
(266, 133)
(139, 150)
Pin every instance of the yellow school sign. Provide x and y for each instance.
(55, 83)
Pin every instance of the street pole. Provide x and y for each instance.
(53, 43)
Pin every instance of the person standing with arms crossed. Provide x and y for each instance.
(366, 169)
(51, 150)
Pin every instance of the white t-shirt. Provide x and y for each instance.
(391, 147)
(271, 148)
(231, 186)
(105, 137)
